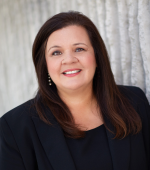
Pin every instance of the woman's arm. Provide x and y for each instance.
(10, 157)
(144, 107)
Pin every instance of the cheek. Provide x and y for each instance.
(90, 61)
(53, 67)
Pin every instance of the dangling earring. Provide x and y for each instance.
(49, 80)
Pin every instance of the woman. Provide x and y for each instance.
(80, 119)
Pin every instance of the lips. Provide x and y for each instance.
(71, 71)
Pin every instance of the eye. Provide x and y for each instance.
(79, 49)
(56, 53)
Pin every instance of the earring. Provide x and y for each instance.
(49, 80)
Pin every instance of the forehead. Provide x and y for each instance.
(69, 34)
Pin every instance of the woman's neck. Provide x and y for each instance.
(81, 102)
(84, 108)
(78, 98)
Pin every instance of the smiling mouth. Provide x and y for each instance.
(72, 72)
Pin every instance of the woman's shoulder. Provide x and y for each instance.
(138, 100)
(23, 108)
(135, 94)
(20, 115)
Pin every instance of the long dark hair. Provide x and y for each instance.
(113, 105)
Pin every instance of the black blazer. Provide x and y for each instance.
(27, 143)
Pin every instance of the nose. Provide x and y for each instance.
(69, 58)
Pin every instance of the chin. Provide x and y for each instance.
(75, 86)
(72, 87)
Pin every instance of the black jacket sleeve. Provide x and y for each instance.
(144, 107)
(10, 157)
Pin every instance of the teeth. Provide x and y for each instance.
(71, 72)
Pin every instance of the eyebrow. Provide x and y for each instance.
(56, 46)
(79, 43)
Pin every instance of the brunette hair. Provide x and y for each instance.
(113, 105)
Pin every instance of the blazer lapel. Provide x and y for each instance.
(120, 150)
(54, 144)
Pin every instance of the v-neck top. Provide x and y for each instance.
(91, 152)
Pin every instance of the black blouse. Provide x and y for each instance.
(91, 152)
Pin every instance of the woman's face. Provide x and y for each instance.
(70, 58)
